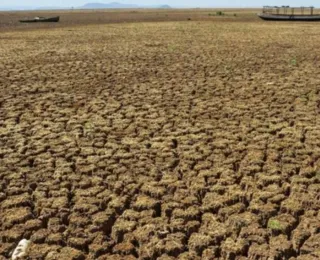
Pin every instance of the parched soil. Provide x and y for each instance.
(10, 20)
(173, 140)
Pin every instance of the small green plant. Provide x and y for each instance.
(235, 15)
(172, 48)
(293, 62)
(274, 224)
(219, 13)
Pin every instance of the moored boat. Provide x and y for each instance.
(42, 20)
(287, 13)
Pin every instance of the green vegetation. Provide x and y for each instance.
(274, 224)
(172, 47)
(293, 62)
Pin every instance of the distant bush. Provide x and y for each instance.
(219, 13)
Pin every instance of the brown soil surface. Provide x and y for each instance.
(10, 20)
(172, 140)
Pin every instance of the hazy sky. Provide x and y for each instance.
(187, 3)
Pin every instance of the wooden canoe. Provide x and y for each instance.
(42, 20)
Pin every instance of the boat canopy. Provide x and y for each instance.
(287, 10)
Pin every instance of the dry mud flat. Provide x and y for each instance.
(9, 20)
(180, 140)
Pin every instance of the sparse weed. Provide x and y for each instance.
(274, 224)
(293, 62)
(172, 48)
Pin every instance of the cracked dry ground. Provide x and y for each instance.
(185, 140)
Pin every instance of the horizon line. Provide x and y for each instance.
(138, 7)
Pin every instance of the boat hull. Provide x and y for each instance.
(42, 20)
(302, 18)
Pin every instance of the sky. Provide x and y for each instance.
(177, 3)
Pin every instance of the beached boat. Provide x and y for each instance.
(287, 13)
(42, 20)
